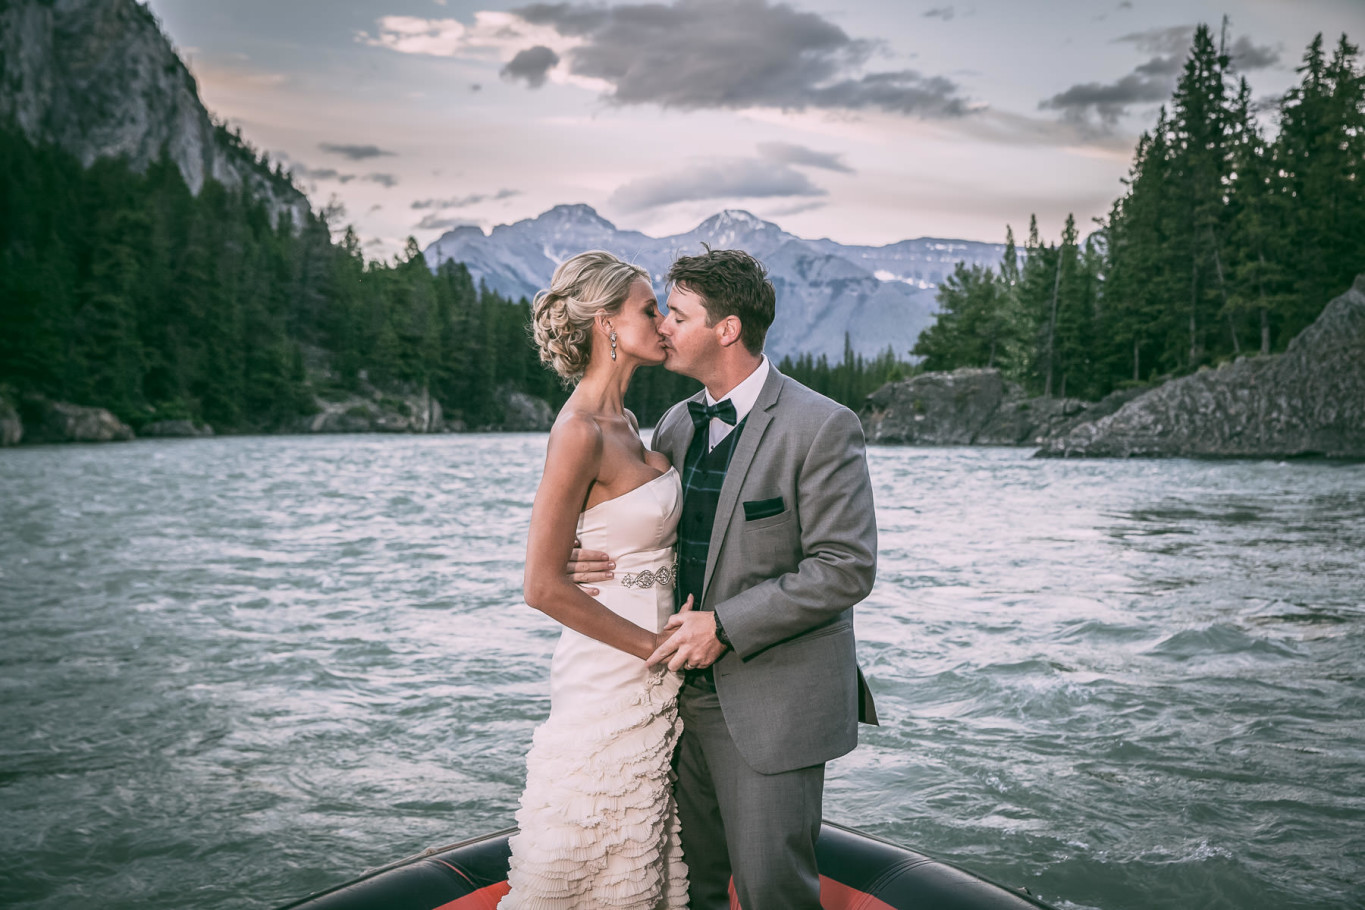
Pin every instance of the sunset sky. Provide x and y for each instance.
(867, 121)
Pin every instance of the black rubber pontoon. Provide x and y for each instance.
(857, 872)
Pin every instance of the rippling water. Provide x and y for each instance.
(238, 670)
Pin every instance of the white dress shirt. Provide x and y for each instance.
(743, 396)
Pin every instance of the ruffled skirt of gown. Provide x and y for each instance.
(598, 824)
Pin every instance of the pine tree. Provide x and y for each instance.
(1257, 227)
(1319, 152)
(1073, 314)
(1200, 164)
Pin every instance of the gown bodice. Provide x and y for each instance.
(635, 527)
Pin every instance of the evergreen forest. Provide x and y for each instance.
(125, 291)
(1225, 243)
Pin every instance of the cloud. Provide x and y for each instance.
(940, 12)
(354, 152)
(1171, 45)
(787, 153)
(687, 54)
(1247, 56)
(731, 178)
(795, 208)
(385, 180)
(460, 202)
(492, 34)
(304, 172)
(413, 35)
(436, 222)
(697, 54)
(1109, 102)
(1171, 40)
(531, 65)
(1150, 82)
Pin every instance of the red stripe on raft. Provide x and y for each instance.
(484, 899)
(835, 895)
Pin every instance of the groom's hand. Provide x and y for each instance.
(587, 566)
(693, 644)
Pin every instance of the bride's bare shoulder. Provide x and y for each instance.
(576, 435)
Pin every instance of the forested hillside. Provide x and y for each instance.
(1227, 242)
(125, 291)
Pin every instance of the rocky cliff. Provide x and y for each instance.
(1310, 400)
(972, 407)
(99, 79)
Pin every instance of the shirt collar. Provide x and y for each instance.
(745, 395)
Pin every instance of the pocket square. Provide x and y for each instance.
(762, 508)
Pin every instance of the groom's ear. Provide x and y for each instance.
(728, 331)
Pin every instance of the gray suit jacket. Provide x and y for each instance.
(784, 584)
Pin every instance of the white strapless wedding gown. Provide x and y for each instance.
(599, 827)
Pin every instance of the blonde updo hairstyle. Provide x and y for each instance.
(562, 316)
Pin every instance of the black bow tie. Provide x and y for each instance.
(702, 413)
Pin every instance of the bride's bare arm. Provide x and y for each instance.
(571, 465)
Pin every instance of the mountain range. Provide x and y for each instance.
(877, 296)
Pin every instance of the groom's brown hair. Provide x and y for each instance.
(730, 283)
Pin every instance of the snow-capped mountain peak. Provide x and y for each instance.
(576, 215)
(878, 296)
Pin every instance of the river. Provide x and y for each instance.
(238, 670)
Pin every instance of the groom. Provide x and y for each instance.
(777, 542)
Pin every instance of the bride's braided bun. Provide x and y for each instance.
(562, 315)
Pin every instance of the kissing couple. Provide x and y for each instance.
(699, 688)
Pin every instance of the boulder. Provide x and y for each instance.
(969, 406)
(1310, 400)
(406, 411)
(11, 427)
(60, 421)
(168, 429)
(523, 413)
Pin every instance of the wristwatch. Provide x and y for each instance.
(720, 632)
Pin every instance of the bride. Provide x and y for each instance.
(598, 825)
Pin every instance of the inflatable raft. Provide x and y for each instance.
(857, 872)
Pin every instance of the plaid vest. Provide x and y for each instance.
(703, 475)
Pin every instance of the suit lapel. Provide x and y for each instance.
(755, 426)
(677, 451)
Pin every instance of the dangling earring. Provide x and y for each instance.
(613, 345)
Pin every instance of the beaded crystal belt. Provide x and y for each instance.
(662, 576)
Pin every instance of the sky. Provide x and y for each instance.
(866, 121)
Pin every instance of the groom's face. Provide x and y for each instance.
(691, 344)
